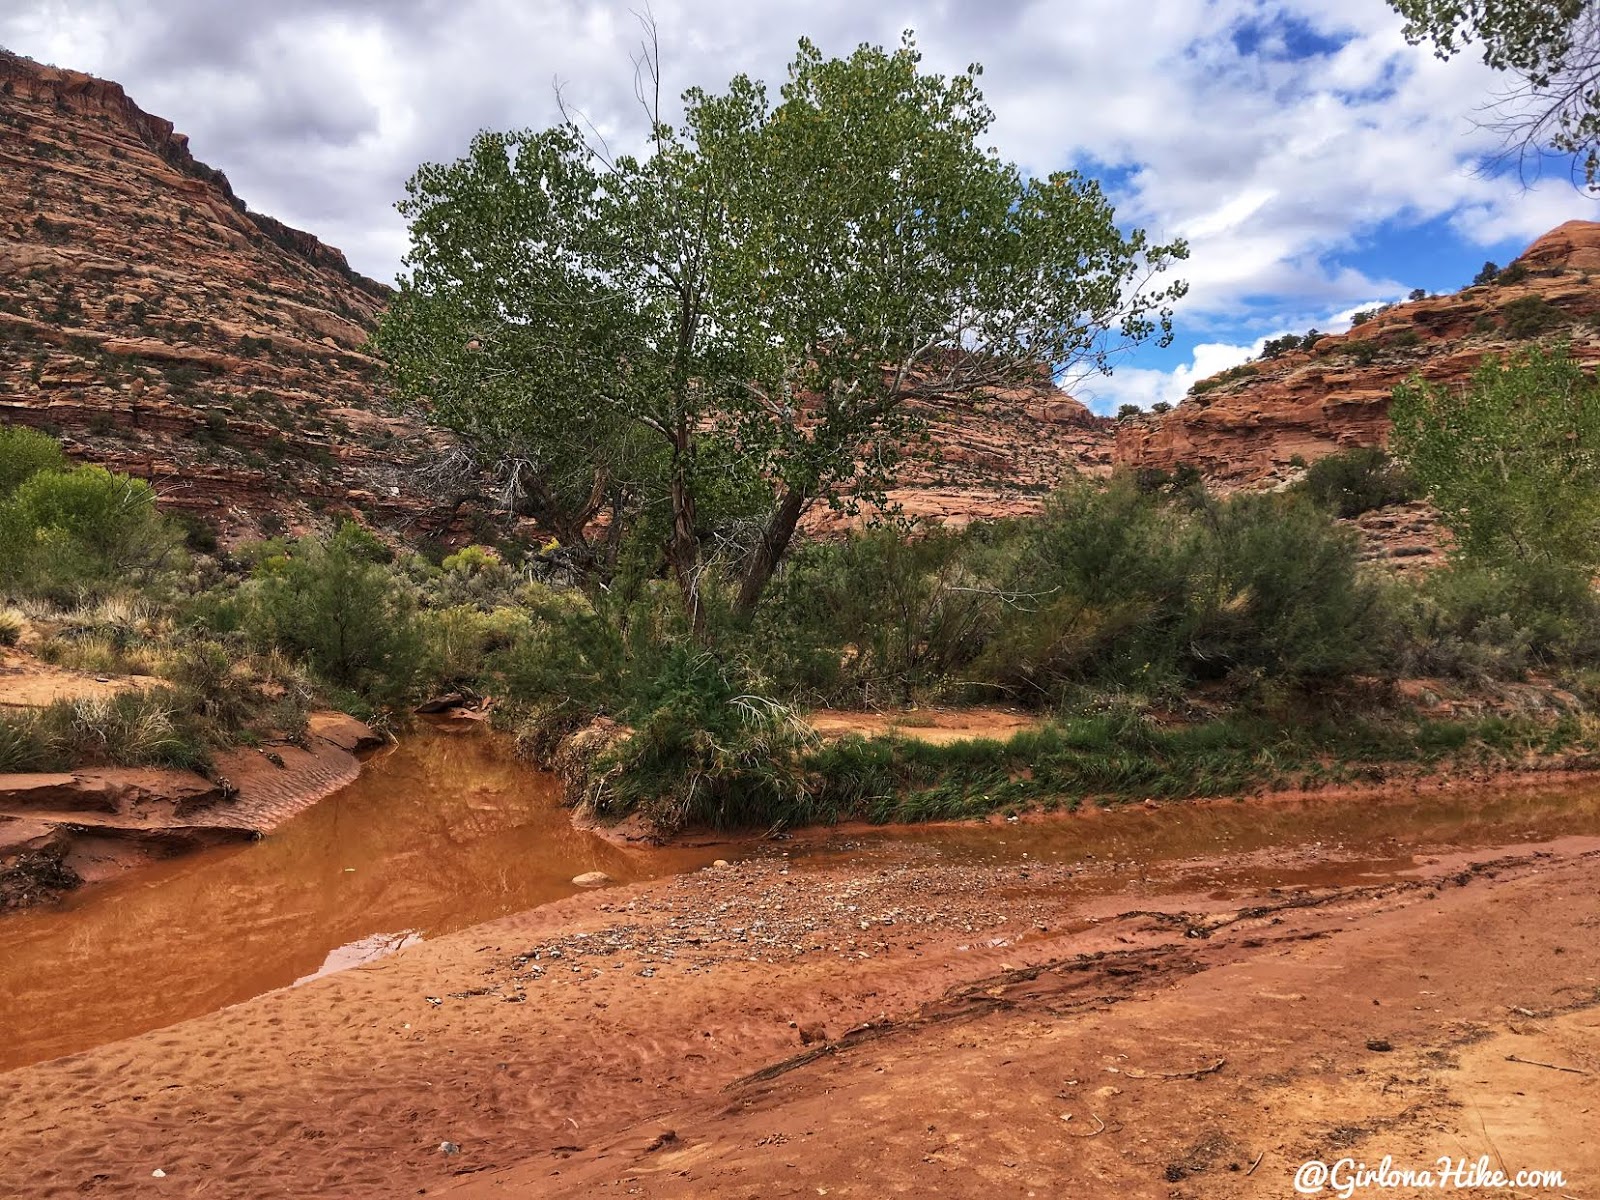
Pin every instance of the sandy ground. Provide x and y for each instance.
(26, 681)
(883, 1025)
(937, 725)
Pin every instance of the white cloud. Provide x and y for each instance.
(1144, 386)
(1272, 165)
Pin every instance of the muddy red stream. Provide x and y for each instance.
(449, 830)
(443, 831)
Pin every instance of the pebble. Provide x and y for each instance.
(697, 920)
(592, 879)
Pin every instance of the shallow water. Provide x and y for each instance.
(444, 831)
(1305, 842)
(1229, 848)
(449, 829)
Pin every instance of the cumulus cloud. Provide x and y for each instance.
(1275, 135)
(1144, 386)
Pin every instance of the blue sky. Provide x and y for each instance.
(1316, 163)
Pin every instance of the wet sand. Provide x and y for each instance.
(927, 1014)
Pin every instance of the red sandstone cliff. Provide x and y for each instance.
(1308, 403)
(156, 325)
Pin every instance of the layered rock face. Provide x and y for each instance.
(157, 326)
(994, 454)
(1246, 429)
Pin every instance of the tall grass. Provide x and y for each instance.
(1117, 757)
(131, 729)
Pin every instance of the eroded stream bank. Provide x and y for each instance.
(448, 830)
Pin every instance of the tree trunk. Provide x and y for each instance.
(769, 550)
(683, 550)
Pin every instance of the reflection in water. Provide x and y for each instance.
(1231, 846)
(362, 950)
(441, 832)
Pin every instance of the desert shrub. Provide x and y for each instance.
(1364, 351)
(1495, 621)
(1351, 482)
(1115, 588)
(210, 682)
(24, 744)
(24, 453)
(1098, 590)
(1230, 375)
(1530, 316)
(1277, 594)
(705, 752)
(473, 575)
(11, 626)
(581, 657)
(1184, 478)
(130, 728)
(67, 533)
(875, 618)
(199, 534)
(97, 654)
(117, 634)
(333, 604)
(461, 644)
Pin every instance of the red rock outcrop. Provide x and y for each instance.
(995, 453)
(156, 325)
(1245, 427)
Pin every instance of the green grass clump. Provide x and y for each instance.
(128, 729)
(1120, 756)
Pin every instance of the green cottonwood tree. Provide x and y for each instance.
(1512, 460)
(730, 328)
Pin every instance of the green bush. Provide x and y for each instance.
(1278, 594)
(1117, 588)
(347, 615)
(1098, 590)
(24, 453)
(877, 618)
(1231, 375)
(210, 683)
(462, 644)
(1351, 482)
(704, 752)
(1483, 622)
(1531, 316)
(66, 533)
